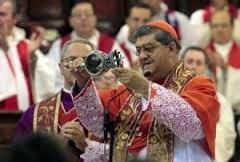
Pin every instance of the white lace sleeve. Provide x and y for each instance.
(90, 109)
(95, 152)
(174, 112)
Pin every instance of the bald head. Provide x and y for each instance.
(74, 48)
(221, 24)
(77, 48)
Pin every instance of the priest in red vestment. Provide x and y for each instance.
(15, 63)
(167, 114)
(200, 20)
(224, 53)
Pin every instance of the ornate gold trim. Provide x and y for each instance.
(58, 104)
(129, 117)
(35, 113)
(46, 114)
(160, 139)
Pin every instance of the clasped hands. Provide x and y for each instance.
(134, 80)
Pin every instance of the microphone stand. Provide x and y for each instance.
(112, 138)
(109, 127)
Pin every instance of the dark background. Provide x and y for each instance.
(111, 13)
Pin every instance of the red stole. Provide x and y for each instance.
(24, 56)
(50, 115)
(11, 103)
(66, 116)
(105, 43)
(206, 106)
(209, 10)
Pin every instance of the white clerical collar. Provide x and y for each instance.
(93, 39)
(223, 49)
(67, 90)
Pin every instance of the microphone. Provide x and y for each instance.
(106, 122)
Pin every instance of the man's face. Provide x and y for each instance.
(138, 16)
(153, 56)
(195, 60)
(75, 50)
(7, 20)
(83, 19)
(221, 27)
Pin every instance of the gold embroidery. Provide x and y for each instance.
(160, 138)
(160, 143)
(46, 115)
(35, 114)
(129, 117)
(56, 115)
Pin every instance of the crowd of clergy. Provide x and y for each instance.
(31, 79)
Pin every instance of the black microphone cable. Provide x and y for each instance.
(108, 125)
(106, 114)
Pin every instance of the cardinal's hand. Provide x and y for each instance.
(133, 80)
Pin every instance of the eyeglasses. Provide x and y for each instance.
(87, 15)
(148, 49)
(71, 58)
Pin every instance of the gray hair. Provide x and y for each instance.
(80, 41)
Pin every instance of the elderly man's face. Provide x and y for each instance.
(75, 50)
(221, 27)
(195, 60)
(154, 57)
(7, 20)
(83, 19)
